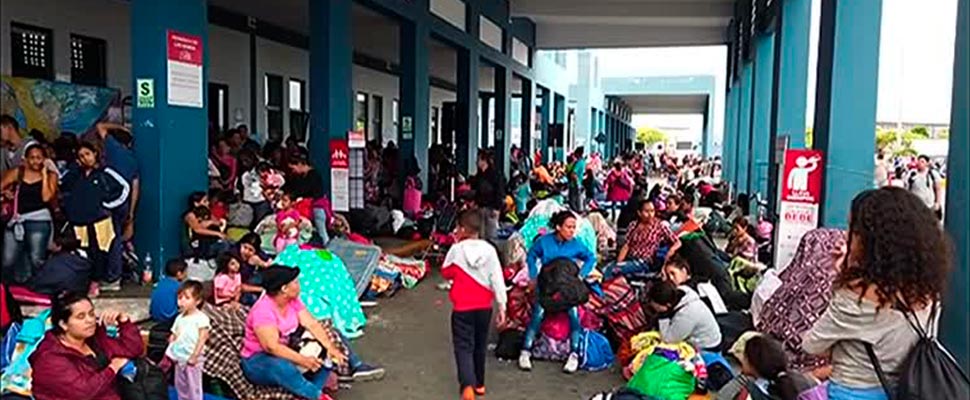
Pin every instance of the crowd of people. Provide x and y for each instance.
(637, 261)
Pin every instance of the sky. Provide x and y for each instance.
(915, 66)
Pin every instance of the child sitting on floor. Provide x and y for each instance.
(164, 306)
(227, 283)
(765, 375)
(741, 244)
(288, 224)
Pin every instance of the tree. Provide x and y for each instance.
(650, 136)
(944, 133)
(885, 138)
(919, 132)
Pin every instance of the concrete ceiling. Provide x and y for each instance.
(667, 103)
(577, 24)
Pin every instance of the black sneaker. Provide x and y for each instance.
(364, 373)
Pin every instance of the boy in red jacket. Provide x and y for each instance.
(476, 274)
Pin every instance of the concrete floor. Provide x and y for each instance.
(410, 336)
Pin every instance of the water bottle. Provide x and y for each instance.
(146, 273)
(129, 371)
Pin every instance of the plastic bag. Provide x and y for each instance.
(662, 379)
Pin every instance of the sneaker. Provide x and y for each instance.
(365, 373)
(525, 360)
(93, 290)
(480, 390)
(468, 393)
(572, 364)
(111, 286)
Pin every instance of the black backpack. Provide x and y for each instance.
(929, 371)
(560, 287)
(149, 383)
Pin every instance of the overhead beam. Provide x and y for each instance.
(662, 9)
(573, 36)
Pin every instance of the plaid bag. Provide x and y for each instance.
(224, 346)
(621, 308)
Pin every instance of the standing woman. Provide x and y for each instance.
(893, 273)
(619, 187)
(91, 191)
(489, 187)
(561, 243)
(33, 187)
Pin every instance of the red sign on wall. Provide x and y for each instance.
(184, 48)
(339, 154)
(803, 176)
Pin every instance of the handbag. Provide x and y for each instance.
(149, 382)
(412, 197)
(9, 210)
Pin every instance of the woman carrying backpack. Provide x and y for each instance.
(891, 275)
(561, 243)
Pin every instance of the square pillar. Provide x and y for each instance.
(331, 80)
(528, 113)
(743, 162)
(414, 89)
(466, 131)
(172, 145)
(729, 146)
(845, 104)
(503, 118)
(545, 116)
(761, 114)
(791, 84)
(954, 325)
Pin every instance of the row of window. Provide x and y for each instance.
(32, 55)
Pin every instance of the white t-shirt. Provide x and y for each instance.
(923, 185)
(186, 329)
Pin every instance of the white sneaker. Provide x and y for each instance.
(525, 360)
(572, 364)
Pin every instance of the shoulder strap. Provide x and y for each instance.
(879, 372)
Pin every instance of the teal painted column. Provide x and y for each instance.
(528, 109)
(331, 78)
(743, 162)
(761, 114)
(792, 88)
(559, 114)
(729, 140)
(172, 140)
(414, 89)
(955, 326)
(545, 117)
(466, 140)
(503, 120)
(791, 85)
(845, 106)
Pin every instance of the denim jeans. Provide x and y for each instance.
(320, 223)
(839, 392)
(575, 329)
(264, 369)
(631, 267)
(22, 257)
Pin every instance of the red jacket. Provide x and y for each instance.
(476, 274)
(60, 372)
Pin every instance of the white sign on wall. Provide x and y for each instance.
(184, 70)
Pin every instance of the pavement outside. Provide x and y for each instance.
(410, 336)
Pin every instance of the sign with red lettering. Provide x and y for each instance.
(801, 191)
(185, 53)
(340, 174)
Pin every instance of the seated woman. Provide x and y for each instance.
(80, 355)
(678, 272)
(251, 260)
(683, 317)
(272, 321)
(206, 238)
(643, 239)
(561, 243)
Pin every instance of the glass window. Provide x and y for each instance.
(377, 119)
(297, 95)
(273, 93)
(360, 114)
(32, 50)
(88, 61)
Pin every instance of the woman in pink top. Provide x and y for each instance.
(619, 186)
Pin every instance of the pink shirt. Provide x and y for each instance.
(264, 313)
(225, 286)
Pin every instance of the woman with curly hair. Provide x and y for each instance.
(893, 272)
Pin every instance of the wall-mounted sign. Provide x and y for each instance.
(801, 191)
(340, 174)
(146, 93)
(356, 139)
(184, 70)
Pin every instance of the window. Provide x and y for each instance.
(395, 118)
(435, 133)
(360, 114)
(299, 118)
(31, 51)
(273, 93)
(297, 95)
(88, 61)
(377, 119)
(219, 105)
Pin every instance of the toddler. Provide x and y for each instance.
(227, 283)
(189, 334)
